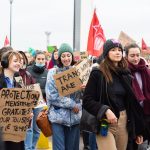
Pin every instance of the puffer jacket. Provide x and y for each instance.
(60, 107)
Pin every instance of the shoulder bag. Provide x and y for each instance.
(43, 123)
(88, 121)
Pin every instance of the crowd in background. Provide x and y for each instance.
(118, 91)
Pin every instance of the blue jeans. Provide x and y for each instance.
(89, 141)
(92, 141)
(33, 133)
(65, 138)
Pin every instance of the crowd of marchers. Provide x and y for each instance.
(117, 95)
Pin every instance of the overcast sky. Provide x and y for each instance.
(31, 18)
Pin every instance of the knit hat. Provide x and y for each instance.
(109, 44)
(64, 48)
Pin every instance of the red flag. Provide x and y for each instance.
(6, 43)
(144, 46)
(96, 37)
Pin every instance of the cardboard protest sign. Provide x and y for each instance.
(67, 82)
(124, 39)
(83, 68)
(35, 87)
(16, 105)
(84, 55)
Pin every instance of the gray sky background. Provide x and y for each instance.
(31, 18)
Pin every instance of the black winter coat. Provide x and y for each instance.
(40, 76)
(98, 106)
(3, 83)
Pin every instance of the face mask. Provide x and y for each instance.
(40, 65)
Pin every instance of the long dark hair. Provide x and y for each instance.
(106, 66)
(54, 62)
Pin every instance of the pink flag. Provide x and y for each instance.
(144, 46)
(6, 43)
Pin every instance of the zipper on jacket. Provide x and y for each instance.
(70, 114)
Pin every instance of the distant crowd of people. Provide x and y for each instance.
(117, 92)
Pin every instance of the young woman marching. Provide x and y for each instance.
(64, 111)
(140, 83)
(10, 63)
(116, 103)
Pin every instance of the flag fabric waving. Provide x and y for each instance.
(144, 46)
(96, 37)
(6, 43)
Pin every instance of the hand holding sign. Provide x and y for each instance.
(73, 79)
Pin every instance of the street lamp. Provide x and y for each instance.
(76, 25)
(47, 33)
(11, 1)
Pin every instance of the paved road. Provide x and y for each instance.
(50, 145)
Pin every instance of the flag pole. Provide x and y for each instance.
(11, 1)
(76, 24)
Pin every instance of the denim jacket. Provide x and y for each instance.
(60, 107)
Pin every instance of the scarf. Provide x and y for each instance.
(39, 70)
(135, 112)
(145, 76)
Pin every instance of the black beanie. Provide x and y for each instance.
(109, 44)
